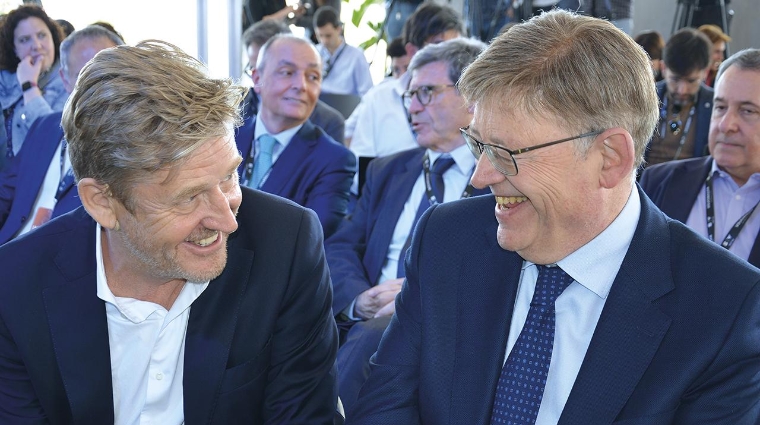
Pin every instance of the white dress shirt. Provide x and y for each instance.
(147, 345)
(730, 203)
(46, 195)
(283, 139)
(593, 267)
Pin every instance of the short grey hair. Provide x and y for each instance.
(90, 32)
(457, 54)
(747, 59)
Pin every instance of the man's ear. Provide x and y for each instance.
(256, 77)
(618, 157)
(99, 202)
(411, 49)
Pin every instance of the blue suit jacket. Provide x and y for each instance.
(260, 342)
(21, 180)
(702, 116)
(674, 186)
(314, 171)
(678, 340)
(357, 251)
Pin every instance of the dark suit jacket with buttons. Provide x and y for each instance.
(674, 186)
(21, 180)
(678, 340)
(260, 343)
(702, 116)
(357, 251)
(313, 170)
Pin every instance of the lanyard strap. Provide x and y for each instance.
(737, 227)
(429, 186)
(686, 128)
(330, 62)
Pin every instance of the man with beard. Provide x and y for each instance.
(143, 305)
(685, 101)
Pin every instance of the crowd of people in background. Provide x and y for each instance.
(537, 216)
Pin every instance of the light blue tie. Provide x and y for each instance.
(523, 378)
(263, 161)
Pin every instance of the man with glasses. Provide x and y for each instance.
(379, 125)
(366, 254)
(567, 297)
(717, 195)
(686, 102)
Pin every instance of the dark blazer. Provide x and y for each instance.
(324, 116)
(674, 186)
(677, 341)
(701, 116)
(260, 342)
(357, 251)
(21, 180)
(314, 171)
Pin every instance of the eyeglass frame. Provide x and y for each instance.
(477, 148)
(416, 92)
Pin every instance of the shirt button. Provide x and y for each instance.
(159, 376)
(738, 197)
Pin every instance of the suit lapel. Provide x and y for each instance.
(481, 342)
(678, 198)
(630, 328)
(79, 330)
(400, 185)
(210, 330)
(294, 155)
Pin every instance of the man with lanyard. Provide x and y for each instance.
(39, 184)
(685, 101)
(718, 195)
(366, 254)
(345, 68)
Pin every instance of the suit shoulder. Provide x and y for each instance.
(476, 209)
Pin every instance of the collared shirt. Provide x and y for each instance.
(147, 345)
(455, 180)
(593, 267)
(46, 196)
(283, 139)
(349, 70)
(731, 202)
(382, 126)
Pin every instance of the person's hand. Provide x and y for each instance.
(387, 310)
(374, 299)
(29, 69)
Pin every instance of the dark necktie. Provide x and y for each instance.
(437, 187)
(523, 378)
(263, 161)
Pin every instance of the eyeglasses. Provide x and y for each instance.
(502, 158)
(248, 69)
(424, 94)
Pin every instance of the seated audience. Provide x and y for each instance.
(366, 254)
(283, 152)
(381, 123)
(39, 183)
(686, 102)
(174, 295)
(324, 116)
(717, 195)
(567, 297)
(345, 69)
(719, 40)
(29, 80)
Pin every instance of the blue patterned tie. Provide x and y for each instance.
(437, 187)
(263, 161)
(523, 378)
